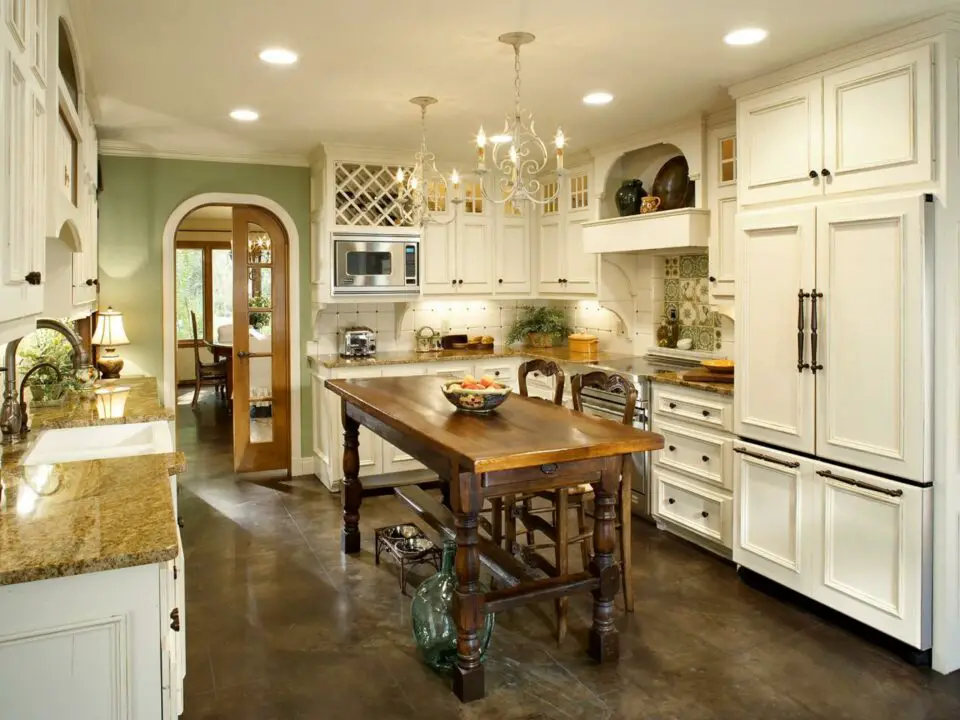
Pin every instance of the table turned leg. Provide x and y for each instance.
(468, 684)
(352, 490)
(604, 642)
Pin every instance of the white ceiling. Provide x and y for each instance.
(164, 74)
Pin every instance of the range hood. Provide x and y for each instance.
(652, 232)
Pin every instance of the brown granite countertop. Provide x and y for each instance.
(141, 404)
(86, 516)
(558, 354)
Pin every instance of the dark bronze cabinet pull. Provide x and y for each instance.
(706, 413)
(813, 174)
(92, 281)
(672, 406)
(825, 172)
(671, 448)
(814, 331)
(671, 501)
(175, 619)
(712, 278)
(766, 458)
(705, 458)
(801, 365)
(460, 281)
(33, 278)
(859, 484)
(453, 282)
(704, 513)
(500, 281)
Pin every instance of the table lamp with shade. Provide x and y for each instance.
(108, 334)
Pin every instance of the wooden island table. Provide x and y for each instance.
(526, 446)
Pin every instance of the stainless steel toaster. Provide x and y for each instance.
(358, 342)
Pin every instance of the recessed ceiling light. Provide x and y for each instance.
(278, 56)
(745, 36)
(244, 114)
(500, 139)
(597, 98)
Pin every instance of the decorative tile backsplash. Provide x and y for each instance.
(686, 289)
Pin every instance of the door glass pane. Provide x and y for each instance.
(222, 289)
(369, 263)
(189, 269)
(261, 422)
(259, 287)
(259, 245)
(261, 369)
(261, 321)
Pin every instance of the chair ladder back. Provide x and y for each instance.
(547, 368)
(608, 382)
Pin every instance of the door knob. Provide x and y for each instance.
(243, 354)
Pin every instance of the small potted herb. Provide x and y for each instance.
(539, 326)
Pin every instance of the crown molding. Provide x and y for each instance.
(123, 148)
(915, 32)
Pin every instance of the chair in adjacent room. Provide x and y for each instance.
(206, 373)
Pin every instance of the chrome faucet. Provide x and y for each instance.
(23, 386)
(12, 417)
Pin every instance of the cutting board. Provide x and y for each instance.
(704, 375)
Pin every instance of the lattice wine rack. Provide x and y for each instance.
(367, 195)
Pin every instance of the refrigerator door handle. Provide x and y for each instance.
(814, 331)
(801, 365)
(766, 458)
(859, 483)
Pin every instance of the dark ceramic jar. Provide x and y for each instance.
(628, 197)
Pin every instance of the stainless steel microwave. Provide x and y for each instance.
(376, 264)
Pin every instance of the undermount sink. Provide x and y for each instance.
(100, 442)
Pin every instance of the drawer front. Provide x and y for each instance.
(404, 370)
(450, 370)
(699, 509)
(506, 374)
(702, 408)
(361, 372)
(706, 456)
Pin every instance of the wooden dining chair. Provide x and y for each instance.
(206, 373)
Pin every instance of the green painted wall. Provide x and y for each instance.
(138, 196)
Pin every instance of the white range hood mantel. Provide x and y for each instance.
(657, 231)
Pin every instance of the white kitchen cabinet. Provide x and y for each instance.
(565, 268)
(474, 255)
(870, 392)
(438, 251)
(22, 153)
(692, 506)
(513, 249)
(776, 260)
(824, 135)
(780, 137)
(872, 550)
(458, 258)
(878, 123)
(722, 169)
(371, 445)
(394, 459)
(771, 492)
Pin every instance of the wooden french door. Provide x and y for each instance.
(261, 347)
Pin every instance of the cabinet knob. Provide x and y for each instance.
(175, 619)
(496, 373)
(706, 413)
(460, 281)
(90, 282)
(712, 278)
(500, 281)
(704, 513)
(671, 501)
(825, 172)
(813, 174)
(453, 282)
(33, 278)
(671, 448)
(705, 458)
(672, 406)
(179, 521)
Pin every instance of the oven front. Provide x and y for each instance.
(372, 264)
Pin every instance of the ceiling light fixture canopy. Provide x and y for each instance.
(423, 190)
(519, 155)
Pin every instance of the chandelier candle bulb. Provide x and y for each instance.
(481, 149)
(560, 141)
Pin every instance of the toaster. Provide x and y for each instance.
(358, 342)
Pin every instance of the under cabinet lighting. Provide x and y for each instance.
(278, 56)
(244, 115)
(745, 36)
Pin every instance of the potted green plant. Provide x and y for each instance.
(48, 346)
(539, 326)
(259, 320)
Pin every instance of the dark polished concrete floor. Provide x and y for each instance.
(281, 625)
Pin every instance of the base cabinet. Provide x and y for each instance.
(856, 542)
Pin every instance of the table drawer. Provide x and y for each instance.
(697, 407)
(706, 456)
(696, 508)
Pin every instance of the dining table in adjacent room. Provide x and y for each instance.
(224, 350)
(525, 446)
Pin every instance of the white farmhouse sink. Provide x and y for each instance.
(97, 443)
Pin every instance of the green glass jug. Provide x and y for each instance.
(434, 627)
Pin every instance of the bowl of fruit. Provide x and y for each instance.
(476, 396)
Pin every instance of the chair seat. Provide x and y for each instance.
(218, 370)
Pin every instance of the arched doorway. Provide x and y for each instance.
(169, 308)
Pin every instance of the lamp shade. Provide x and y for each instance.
(109, 331)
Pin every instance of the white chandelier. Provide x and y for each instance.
(519, 156)
(423, 191)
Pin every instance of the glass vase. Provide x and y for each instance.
(434, 627)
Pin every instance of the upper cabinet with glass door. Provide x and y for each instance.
(23, 147)
(722, 199)
(821, 136)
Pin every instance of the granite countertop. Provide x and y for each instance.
(80, 517)
(558, 354)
